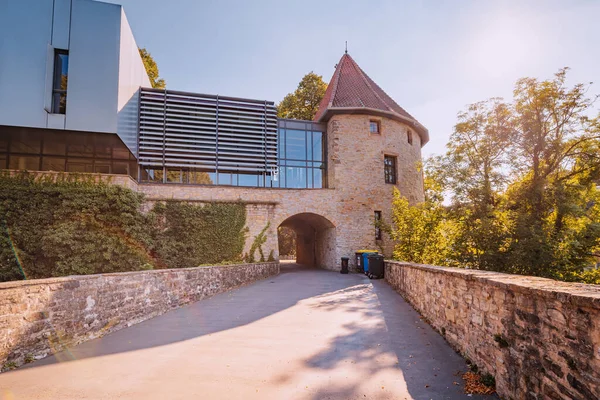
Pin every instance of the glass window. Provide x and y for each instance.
(102, 167)
(185, 176)
(318, 178)
(295, 145)
(374, 126)
(59, 85)
(133, 169)
(292, 163)
(281, 144)
(81, 145)
(317, 146)
(3, 143)
(26, 142)
(55, 143)
(199, 177)
(120, 168)
(377, 227)
(120, 152)
(103, 146)
(79, 165)
(390, 169)
(150, 174)
(248, 180)
(53, 164)
(24, 163)
(224, 179)
(295, 178)
(173, 175)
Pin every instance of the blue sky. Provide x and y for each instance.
(432, 57)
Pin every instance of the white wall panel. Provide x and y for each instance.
(25, 32)
(93, 67)
(62, 24)
(132, 75)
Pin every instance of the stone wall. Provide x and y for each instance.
(540, 338)
(44, 316)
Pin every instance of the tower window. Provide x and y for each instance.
(389, 167)
(377, 228)
(374, 127)
(59, 84)
(409, 136)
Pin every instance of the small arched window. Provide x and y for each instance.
(409, 136)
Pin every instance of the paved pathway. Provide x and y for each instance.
(305, 334)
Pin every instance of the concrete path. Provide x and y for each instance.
(305, 334)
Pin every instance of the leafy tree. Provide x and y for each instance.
(152, 69)
(304, 102)
(523, 178)
(422, 233)
(287, 241)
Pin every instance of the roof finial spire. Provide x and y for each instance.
(346, 47)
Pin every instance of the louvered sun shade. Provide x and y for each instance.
(179, 129)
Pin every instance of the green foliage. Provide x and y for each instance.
(259, 240)
(488, 380)
(188, 234)
(287, 241)
(9, 366)
(304, 102)
(75, 225)
(152, 69)
(523, 179)
(69, 227)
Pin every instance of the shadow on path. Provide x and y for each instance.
(348, 338)
(221, 312)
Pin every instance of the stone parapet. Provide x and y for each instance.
(44, 316)
(540, 338)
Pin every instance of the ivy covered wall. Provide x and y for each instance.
(70, 225)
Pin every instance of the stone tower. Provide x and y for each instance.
(367, 130)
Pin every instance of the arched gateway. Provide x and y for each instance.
(315, 239)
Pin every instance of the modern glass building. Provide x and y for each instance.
(198, 139)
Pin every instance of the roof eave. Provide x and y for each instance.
(416, 125)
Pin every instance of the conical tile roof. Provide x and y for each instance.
(351, 91)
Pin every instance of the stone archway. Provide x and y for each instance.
(315, 239)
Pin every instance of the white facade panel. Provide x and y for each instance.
(25, 33)
(105, 70)
(132, 75)
(92, 94)
(62, 24)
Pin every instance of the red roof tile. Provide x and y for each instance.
(352, 90)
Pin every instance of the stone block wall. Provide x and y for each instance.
(43, 316)
(538, 337)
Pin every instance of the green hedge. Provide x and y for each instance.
(189, 235)
(72, 225)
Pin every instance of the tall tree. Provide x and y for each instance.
(477, 152)
(304, 102)
(152, 69)
(524, 181)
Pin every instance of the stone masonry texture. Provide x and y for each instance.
(346, 208)
(540, 338)
(45, 316)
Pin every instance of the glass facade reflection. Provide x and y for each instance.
(301, 156)
(64, 151)
(302, 148)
